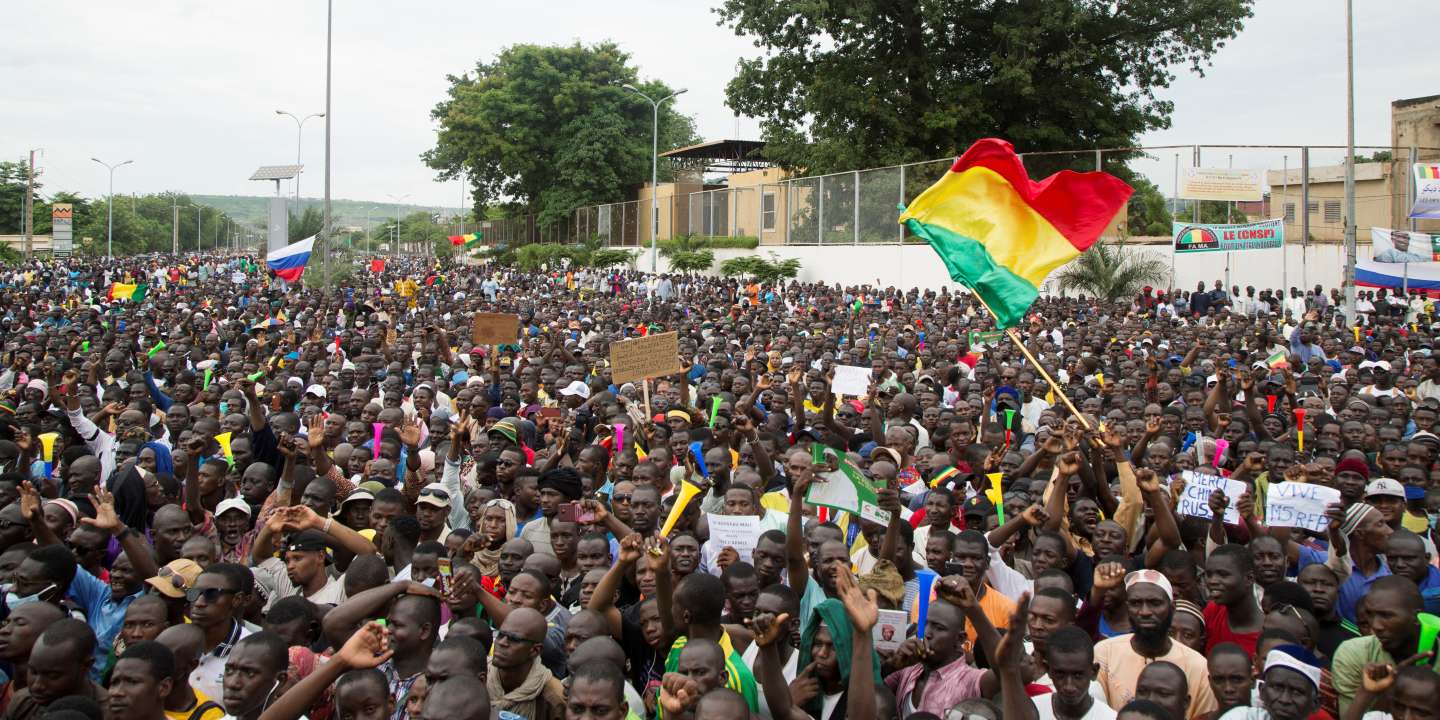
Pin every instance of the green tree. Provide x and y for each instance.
(1148, 212)
(606, 258)
(743, 265)
(12, 196)
(549, 129)
(851, 85)
(773, 270)
(310, 222)
(689, 261)
(1112, 271)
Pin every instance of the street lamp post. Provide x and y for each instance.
(299, 135)
(1350, 164)
(398, 199)
(654, 162)
(110, 207)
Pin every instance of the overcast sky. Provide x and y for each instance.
(188, 90)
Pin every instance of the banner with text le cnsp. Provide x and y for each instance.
(1202, 237)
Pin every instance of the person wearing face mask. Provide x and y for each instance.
(43, 576)
(257, 666)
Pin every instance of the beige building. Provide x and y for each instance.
(40, 243)
(1382, 189)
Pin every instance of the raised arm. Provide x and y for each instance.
(344, 618)
(798, 572)
(863, 612)
(368, 647)
(602, 600)
(768, 668)
(133, 543)
(657, 553)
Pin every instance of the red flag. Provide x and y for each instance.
(457, 239)
(377, 266)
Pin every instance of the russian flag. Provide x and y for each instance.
(1418, 277)
(289, 262)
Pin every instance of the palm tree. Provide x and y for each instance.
(1111, 271)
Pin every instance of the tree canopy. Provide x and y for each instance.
(853, 85)
(143, 223)
(550, 128)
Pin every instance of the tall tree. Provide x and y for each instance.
(12, 196)
(853, 85)
(549, 129)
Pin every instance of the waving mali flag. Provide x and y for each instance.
(128, 291)
(1000, 234)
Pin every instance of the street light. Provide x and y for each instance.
(110, 207)
(299, 135)
(198, 248)
(398, 199)
(1350, 164)
(654, 161)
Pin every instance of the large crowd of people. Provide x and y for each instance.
(225, 497)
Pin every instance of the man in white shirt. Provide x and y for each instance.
(1070, 660)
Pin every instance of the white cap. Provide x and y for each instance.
(234, 503)
(1385, 486)
(316, 390)
(577, 388)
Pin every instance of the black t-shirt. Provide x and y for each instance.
(646, 665)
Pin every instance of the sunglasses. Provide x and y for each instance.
(511, 638)
(209, 595)
(506, 463)
(620, 498)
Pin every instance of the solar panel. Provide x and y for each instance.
(276, 172)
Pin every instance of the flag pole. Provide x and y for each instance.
(1014, 336)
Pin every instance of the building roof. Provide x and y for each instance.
(716, 156)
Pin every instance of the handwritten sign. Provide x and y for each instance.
(1299, 505)
(647, 357)
(851, 380)
(735, 531)
(494, 328)
(1195, 501)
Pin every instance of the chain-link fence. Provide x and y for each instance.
(1302, 184)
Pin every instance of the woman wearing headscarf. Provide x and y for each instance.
(155, 458)
(497, 526)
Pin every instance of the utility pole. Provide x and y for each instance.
(1350, 163)
(175, 223)
(325, 244)
(27, 224)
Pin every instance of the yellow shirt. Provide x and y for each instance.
(1418, 524)
(213, 713)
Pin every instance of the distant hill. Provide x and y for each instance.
(253, 210)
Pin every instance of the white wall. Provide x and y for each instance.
(917, 265)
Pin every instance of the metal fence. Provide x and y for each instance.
(860, 207)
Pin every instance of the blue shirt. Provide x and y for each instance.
(105, 613)
(1354, 587)
(1430, 590)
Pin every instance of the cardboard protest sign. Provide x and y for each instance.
(494, 328)
(851, 380)
(647, 357)
(1195, 500)
(1299, 505)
